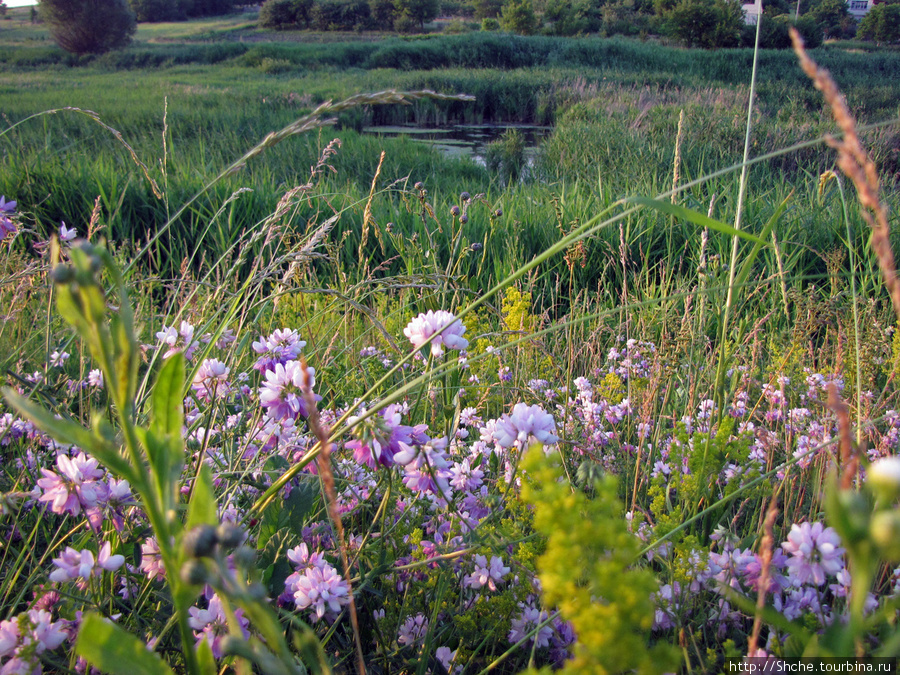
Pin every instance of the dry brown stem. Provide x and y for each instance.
(855, 163)
(323, 462)
(766, 547)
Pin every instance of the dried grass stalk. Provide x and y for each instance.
(855, 163)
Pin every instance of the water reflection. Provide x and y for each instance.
(465, 140)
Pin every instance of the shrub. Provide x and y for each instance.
(89, 26)
(277, 14)
(489, 24)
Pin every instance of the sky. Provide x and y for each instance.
(19, 3)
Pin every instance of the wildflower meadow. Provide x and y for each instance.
(406, 460)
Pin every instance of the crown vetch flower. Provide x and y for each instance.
(280, 347)
(524, 422)
(210, 624)
(320, 589)
(282, 392)
(76, 487)
(814, 552)
(425, 325)
(380, 437)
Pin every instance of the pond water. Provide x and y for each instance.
(465, 140)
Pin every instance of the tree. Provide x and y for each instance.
(157, 10)
(705, 23)
(881, 23)
(831, 16)
(518, 16)
(89, 26)
(419, 11)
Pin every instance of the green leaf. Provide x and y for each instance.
(205, 658)
(116, 651)
(694, 217)
(168, 398)
(202, 509)
(66, 431)
(757, 247)
(291, 513)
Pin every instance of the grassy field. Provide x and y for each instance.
(729, 392)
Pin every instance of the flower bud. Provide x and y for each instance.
(230, 535)
(464, 197)
(244, 557)
(200, 542)
(463, 219)
(883, 478)
(885, 532)
(194, 572)
(454, 210)
(62, 274)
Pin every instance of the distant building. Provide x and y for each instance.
(858, 9)
(752, 12)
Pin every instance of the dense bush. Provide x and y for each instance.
(340, 15)
(89, 26)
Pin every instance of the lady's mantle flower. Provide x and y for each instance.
(210, 624)
(486, 575)
(814, 551)
(524, 422)
(425, 325)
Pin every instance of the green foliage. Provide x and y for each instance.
(89, 26)
(881, 24)
(280, 14)
(339, 14)
(158, 10)
(830, 16)
(589, 571)
(418, 11)
(517, 16)
(506, 156)
(705, 23)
